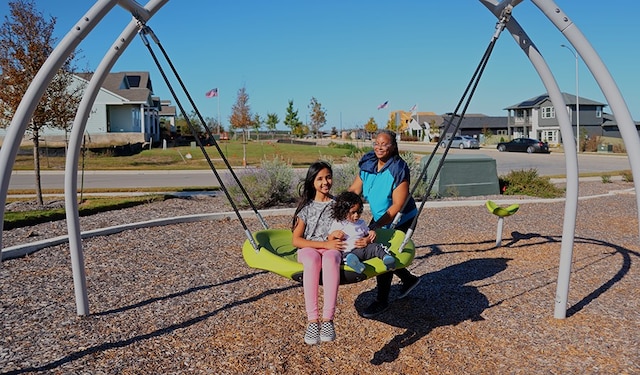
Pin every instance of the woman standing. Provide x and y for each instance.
(311, 223)
(384, 182)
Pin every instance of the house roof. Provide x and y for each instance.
(133, 86)
(537, 101)
(166, 109)
(475, 121)
(609, 121)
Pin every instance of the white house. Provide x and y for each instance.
(124, 112)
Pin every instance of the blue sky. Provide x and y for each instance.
(354, 55)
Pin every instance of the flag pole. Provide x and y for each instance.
(219, 124)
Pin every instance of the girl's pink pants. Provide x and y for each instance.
(314, 261)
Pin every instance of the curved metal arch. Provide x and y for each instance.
(571, 155)
(102, 7)
(75, 145)
(620, 111)
(31, 98)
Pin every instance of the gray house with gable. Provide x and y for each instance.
(536, 118)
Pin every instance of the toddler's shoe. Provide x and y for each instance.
(390, 262)
(354, 262)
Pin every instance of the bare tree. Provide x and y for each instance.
(26, 40)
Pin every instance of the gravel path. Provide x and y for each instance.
(179, 299)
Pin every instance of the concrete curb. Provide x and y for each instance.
(28, 248)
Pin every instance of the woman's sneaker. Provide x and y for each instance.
(312, 335)
(390, 262)
(327, 331)
(354, 262)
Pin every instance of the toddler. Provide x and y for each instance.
(348, 227)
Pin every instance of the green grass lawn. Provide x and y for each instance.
(193, 158)
(177, 158)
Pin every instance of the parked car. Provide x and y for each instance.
(463, 141)
(529, 145)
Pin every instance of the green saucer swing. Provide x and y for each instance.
(277, 254)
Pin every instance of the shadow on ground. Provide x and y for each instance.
(441, 299)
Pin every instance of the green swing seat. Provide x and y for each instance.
(277, 255)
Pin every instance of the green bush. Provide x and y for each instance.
(527, 182)
(606, 179)
(627, 176)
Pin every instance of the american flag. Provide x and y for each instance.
(383, 105)
(211, 93)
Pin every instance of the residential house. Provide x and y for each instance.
(167, 116)
(536, 118)
(125, 112)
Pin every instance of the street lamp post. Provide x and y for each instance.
(575, 55)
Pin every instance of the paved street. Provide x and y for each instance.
(552, 164)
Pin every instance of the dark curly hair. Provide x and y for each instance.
(344, 202)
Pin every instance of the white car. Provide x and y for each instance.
(463, 141)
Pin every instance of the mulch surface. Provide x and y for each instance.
(179, 299)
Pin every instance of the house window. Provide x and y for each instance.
(550, 136)
(133, 81)
(548, 112)
(598, 112)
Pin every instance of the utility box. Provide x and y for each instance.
(463, 175)
(605, 147)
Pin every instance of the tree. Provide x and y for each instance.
(318, 116)
(391, 125)
(26, 41)
(272, 122)
(257, 124)
(213, 125)
(241, 119)
(371, 127)
(291, 120)
(182, 125)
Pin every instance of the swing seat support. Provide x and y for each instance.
(501, 213)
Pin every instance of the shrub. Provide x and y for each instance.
(267, 186)
(527, 182)
(627, 176)
(345, 173)
(415, 169)
(281, 178)
(606, 179)
(618, 148)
